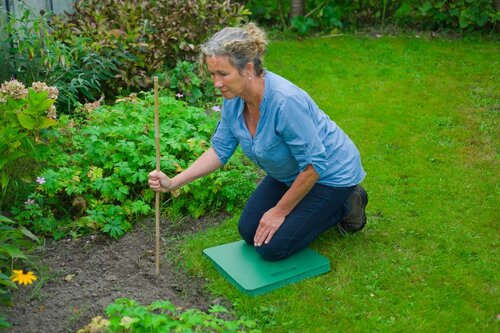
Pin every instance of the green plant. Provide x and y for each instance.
(143, 37)
(303, 25)
(13, 240)
(184, 79)
(126, 315)
(97, 173)
(110, 47)
(458, 14)
(44, 50)
(269, 13)
(324, 15)
(25, 113)
(30, 49)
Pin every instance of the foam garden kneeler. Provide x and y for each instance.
(240, 264)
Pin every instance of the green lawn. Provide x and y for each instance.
(424, 114)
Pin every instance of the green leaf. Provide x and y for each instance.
(464, 19)
(13, 155)
(26, 121)
(162, 305)
(14, 104)
(45, 122)
(38, 103)
(427, 6)
(27, 233)
(6, 220)
(12, 251)
(217, 309)
(114, 228)
(4, 179)
(36, 97)
(403, 11)
(4, 280)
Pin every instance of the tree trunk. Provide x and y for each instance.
(297, 8)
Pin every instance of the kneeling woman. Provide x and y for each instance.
(313, 168)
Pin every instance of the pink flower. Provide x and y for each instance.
(179, 95)
(216, 108)
(29, 202)
(40, 180)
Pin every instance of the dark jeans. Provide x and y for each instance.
(319, 210)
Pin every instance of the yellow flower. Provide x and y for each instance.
(22, 277)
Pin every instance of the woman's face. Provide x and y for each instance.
(226, 77)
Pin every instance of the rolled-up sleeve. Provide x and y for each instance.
(296, 127)
(223, 141)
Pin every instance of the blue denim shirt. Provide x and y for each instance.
(292, 133)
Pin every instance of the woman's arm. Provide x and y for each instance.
(205, 164)
(273, 218)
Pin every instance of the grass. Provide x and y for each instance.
(424, 114)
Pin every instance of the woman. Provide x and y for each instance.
(313, 168)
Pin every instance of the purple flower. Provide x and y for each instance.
(40, 180)
(29, 202)
(179, 95)
(216, 108)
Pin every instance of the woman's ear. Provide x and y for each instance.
(249, 68)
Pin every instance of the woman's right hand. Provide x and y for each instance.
(159, 182)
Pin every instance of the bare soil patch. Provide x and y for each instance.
(79, 278)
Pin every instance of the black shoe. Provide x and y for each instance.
(356, 219)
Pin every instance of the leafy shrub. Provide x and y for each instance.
(269, 13)
(71, 64)
(110, 47)
(13, 240)
(97, 178)
(185, 80)
(24, 115)
(126, 315)
(145, 36)
(323, 16)
(34, 50)
(457, 14)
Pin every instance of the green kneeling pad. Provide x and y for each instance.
(240, 263)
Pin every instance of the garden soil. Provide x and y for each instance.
(78, 278)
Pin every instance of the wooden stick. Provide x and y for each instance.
(157, 203)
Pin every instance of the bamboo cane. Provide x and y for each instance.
(157, 203)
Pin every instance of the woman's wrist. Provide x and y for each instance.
(173, 184)
(166, 184)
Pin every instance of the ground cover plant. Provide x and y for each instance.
(424, 114)
(96, 173)
(126, 315)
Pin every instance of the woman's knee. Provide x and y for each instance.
(273, 251)
(246, 230)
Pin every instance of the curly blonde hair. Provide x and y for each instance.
(241, 45)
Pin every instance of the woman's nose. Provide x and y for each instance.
(218, 83)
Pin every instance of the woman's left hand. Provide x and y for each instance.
(268, 225)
